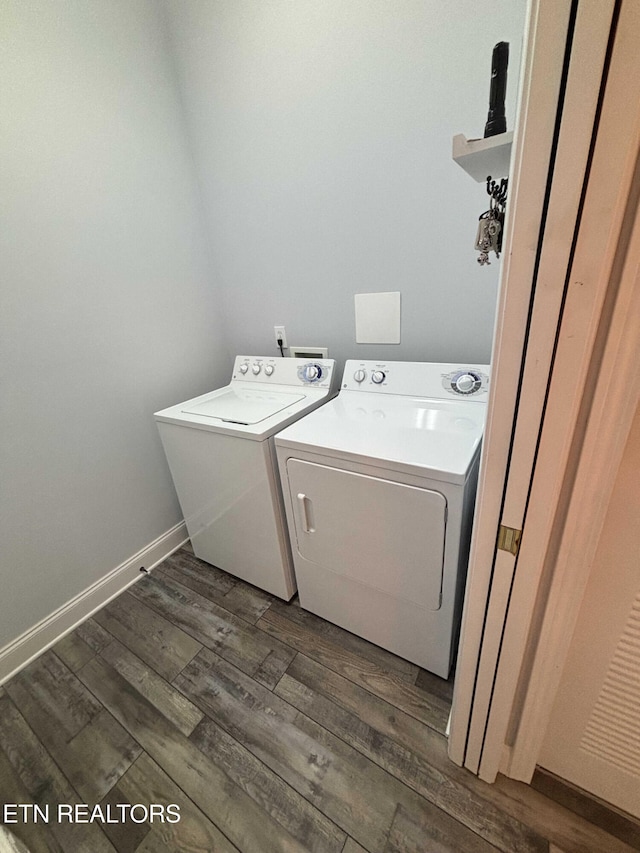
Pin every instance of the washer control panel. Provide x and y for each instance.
(318, 373)
(418, 378)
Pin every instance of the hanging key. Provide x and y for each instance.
(483, 238)
(493, 233)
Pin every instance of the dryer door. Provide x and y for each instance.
(382, 534)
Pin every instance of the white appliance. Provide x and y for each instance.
(220, 451)
(379, 487)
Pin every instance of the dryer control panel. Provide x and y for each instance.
(466, 382)
(417, 378)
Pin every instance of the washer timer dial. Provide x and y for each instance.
(465, 382)
(378, 376)
(311, 372)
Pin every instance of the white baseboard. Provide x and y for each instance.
(48, 631)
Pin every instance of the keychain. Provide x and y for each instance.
(488, 237)
(489, 234)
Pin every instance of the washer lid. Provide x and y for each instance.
(243, 405)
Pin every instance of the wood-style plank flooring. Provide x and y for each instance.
(270, 728)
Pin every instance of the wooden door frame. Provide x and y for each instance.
(544, 40)
(560, 88)
(585, 432)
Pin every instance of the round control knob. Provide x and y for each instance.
(466, 382)
(256, 368)
(378, 376)
(268, 369)
(360, 375)
(311, 372)
(244, 368)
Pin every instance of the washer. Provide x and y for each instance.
(379, 488)
(221, 454)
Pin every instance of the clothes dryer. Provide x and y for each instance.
(379, 487)
(220, 450)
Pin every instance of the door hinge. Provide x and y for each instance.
(509, 539)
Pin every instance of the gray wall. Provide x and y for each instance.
(322, 134)
(108, 308)
(179, 176)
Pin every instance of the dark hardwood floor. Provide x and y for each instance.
(271, 729)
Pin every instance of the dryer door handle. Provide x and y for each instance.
(305, 505)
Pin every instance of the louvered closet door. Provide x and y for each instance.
(593, 738)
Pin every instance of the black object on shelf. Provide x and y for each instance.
(496, 120)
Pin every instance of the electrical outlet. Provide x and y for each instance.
(281, 335)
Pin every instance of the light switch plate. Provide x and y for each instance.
(377, 318)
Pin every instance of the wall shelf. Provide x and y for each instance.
(483, 157)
